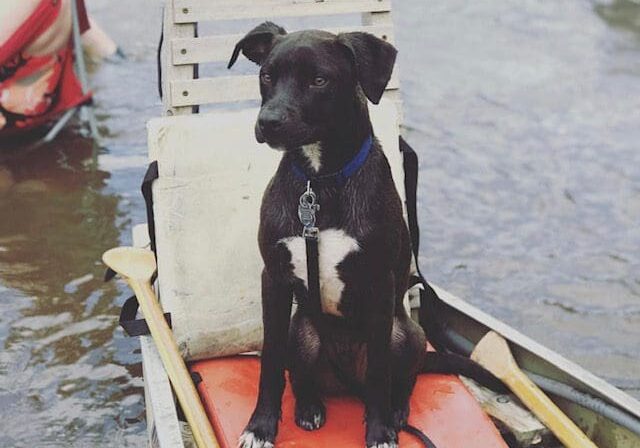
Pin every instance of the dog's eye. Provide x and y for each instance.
(266, 78)
(319, 81)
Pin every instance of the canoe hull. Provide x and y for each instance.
(468, 324)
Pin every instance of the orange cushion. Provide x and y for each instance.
(441, 407)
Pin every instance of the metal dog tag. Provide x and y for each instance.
(307, 209)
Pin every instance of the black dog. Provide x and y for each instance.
(359, 339)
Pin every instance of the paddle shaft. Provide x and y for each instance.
(546, 410)
(174, 365)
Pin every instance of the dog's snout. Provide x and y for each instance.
(270, 120)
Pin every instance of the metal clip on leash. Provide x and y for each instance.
(307, 209)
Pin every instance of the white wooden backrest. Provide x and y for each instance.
(182, 51)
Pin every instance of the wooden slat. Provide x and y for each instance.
(520, 422)
(224, 89)
(193, 11)
(171, 72)
(219, 48)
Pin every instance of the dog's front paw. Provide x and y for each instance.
(381, 436)
(248, 439)
(259, 433)
(310, 416)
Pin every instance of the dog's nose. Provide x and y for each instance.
(270, 120)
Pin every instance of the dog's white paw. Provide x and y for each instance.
(384, 445)
(249, 440)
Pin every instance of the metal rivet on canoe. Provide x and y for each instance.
(185, 10)
(384, 37)
(183, 51)
(185, 93)
(503, 399)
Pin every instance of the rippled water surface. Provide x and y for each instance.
(526, 116)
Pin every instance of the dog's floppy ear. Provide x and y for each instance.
(258, 42)
(374, 59)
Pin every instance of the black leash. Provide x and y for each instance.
(418, 434)
(307, 209)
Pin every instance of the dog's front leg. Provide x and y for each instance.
(276, 312)
(380, 431)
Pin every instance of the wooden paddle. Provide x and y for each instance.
(137, 266)
(492, 352)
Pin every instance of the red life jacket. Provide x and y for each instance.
(19, 74)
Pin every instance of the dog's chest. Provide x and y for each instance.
(334, 245)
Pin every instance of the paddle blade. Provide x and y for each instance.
(131, 262)
(493, 353)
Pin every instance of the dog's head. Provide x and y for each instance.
(309, 80)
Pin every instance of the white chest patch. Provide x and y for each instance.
(333, 246)
(313, 153)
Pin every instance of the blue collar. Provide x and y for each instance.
(338, 178)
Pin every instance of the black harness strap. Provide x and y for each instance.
(159, 59)
(128, 321)
(149, 177)
(429, 300)
(109, 274)
(410, 165)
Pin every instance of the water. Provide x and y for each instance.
(525, 115)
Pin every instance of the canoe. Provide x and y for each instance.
(205, 216)
(610, 417)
